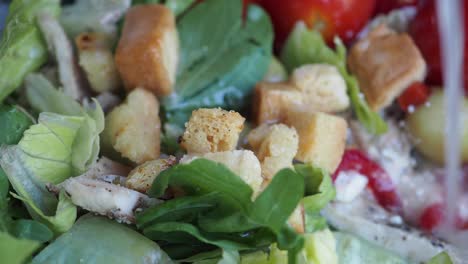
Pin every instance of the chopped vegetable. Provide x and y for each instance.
(22, 49)
(218, 65)
(380, 182)
(224, 201)
(276, 71)
(115, 243)
(427, 126)
(415, 95)
(307, 46)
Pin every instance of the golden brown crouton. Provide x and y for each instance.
(243, 163)
(147, 53)
(141, 178)
(275, 146)
(133, 128)
(385, 63)
(96, 59)
(321, 138)
(272, 101)
(322, 86)
(212, 130)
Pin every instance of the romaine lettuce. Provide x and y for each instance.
(22, 49)
(56, 148)
(305, 46)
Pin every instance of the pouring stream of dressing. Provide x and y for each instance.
(451, 38)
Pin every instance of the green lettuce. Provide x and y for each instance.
(99, 240)
(22, 49)
(218, 65)
(13, 122)
(305, 46)
(58, 147)
(15, 250)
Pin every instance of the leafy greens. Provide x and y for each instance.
(22, 49)
(218, 209)
(221, 59)
(307, 46)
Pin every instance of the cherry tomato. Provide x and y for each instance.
(432, 217)
(425, 33)
(344, 18)
(380, 182)
(415, 95)
(385, 6)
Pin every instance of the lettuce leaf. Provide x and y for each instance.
(22, 49)
(15, 250)
(99, 240)
(218, 65)
(305, 46)
(441, 258)
(51, 151)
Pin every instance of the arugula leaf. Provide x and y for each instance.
(176, 209)
(219, 210)
(219, 65)
(305, 46)
(201, 177)
(276, 203)
(16, 251)
(22, 49)
(319, 192)
(115, 242)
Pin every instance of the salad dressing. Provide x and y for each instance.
(451, 28)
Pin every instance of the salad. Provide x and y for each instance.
(222, 131)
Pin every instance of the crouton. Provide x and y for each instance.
(96, 59)
(385, 63)
(148, 50)
(141, 178)
(212, 130)
(322, 138)
(275, 146)
(272, 100)
(243, 163)
(133, 128)
(296, 219)
(322, 86)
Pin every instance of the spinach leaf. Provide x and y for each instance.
(221, 59)
(22, 49)
(16, 251)
(305, 46)
(179, 6)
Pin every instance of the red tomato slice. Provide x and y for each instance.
(380, 182)
(344, 18)
(416, 94)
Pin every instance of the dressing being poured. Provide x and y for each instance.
(451, 33)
